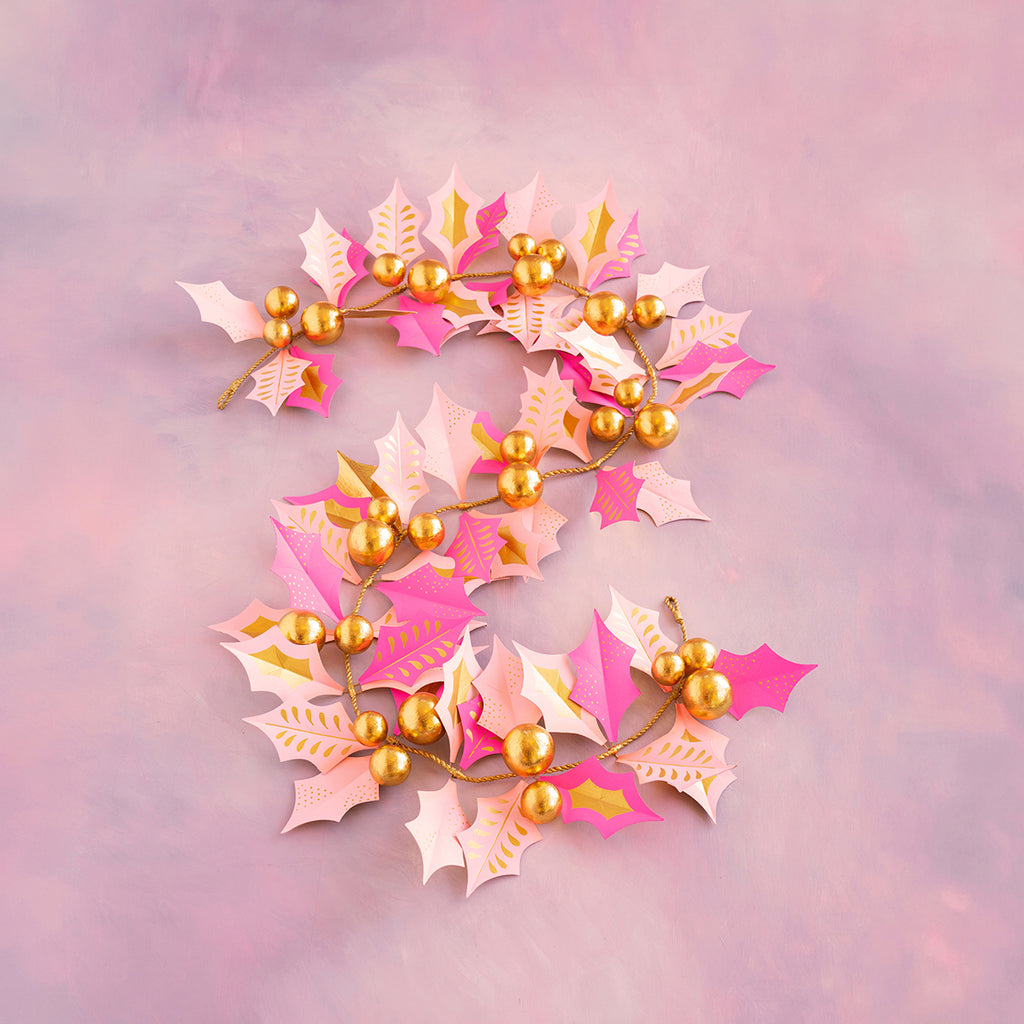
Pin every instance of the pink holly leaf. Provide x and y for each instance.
(255, 620)
(318, 382)
(548, 680)
(357, 256)
(706, 370)
(314, 581)
(459, 672)
(400, 473)
(549, 410)
(476, 543)
(617, 491)
(761, 679)
(520, 552)
(436, 827)
(544, 522)
(407, 652)
(423, 326)
(447, 433)
(330, 796)
(575, 371)
(480, 742)
(603, 683)
(453, 218)
(275, 380)
(487, 438)
(606, 361)
(663, 497)
(500, 686)
(238, 318)
(675, 286)
(527, 317)
(530, 210)
(739, 378)
(430, 592)
(314, 518)
(318, 733)
(488, 220)
(607, 800)
(629, 248)
(593, 241)
(396, 223)
(690, 756)
(638, 627)
(463, 306)
(275, 665)
(327, 260)
(708, 326)
(495, 842)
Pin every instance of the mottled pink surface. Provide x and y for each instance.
(852, 172)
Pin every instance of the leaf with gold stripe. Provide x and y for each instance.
(328, 260)
(453, 218)
(593, 242)
(318, 733)
(408, 651)
(274, 381)
(396, 226)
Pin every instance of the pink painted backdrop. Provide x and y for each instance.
(852, 173)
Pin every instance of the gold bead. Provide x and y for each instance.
(553, 251)
(384, 510)
(698, 653)
(322, 323)
(607, 423)
(388, 269)
(605, 312)
(706, 694)
(528, 750)
(668, 668)
(301, 627)
(418, 721)
(390, 765)
(519, 446)
(649, 311)
(429, 281)
(521, 245)
(281, 302)
(426, 531)
(629, 393)
(532, 274)
(277, 333)
(371, 542)
(656, 426)
(541, 801)
(370, 728)
(520, 485)
(353, 634)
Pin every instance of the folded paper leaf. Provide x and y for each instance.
(400, 473)
(314, 518)
(396, 223)
(638, 627)
(760, 679)
(549, 410)
(437, 826)
(664, 498)
(603, 683)
(607, 800)
(529, 211)
(330, 796)
(594, 239)
(453, 225)
(500, 686)
(548, 680)
(616, 495)
(239, 318)
(628, 249)
(488, 221)
(675, 286)
(327, 259)
(314, 581)
(475, 544)
(708, 326)
(430, 592)
(275, 665)
(318, 733)
(447, 434)
(274, 381)
(459, 671)
(254, 621)
(318, 382)
(407, 652)
(480, 742)
(420, 326)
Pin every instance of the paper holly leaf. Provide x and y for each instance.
(530, 210)
(400, 472)
(313, 518)
(706, 370)
(239, 318)
(429, 592)
(675, 286)
(453, 226)
(574, 370)
(525, 317)
(327, 259)
(435, 828)
(544, 522)
(255, 620)
(396, 223)
(406, 652)
(520, 550)
(605, 359)
(275, 380)
(318, 733)
(314, 581)
(760, 679)
(475, 544)
(629, 248)
(616, 495)
(708, 326)
(500, 686)
(548, 681)
(549, 410)
(447, 433)
(495, 842)
(459, 672)
(479, 742)
(603, 683)
(275, 665)
(740, 377)
(487, 437)
(421, 326)
(594, 240)
(463, 306)
(318, 382)
(663, 497)
(330, 796)
(690, 756)
(355, 479)
(607, 800)
(638, 627)
(488, 223)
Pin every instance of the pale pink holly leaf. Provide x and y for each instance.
(400, 473)
(575, 371)
(488, 222)
(463, 306)
(604, 357)
(318, 382)
(275, 665)
(314, 581)
(550, 412)
(314, 518)
(607, 800)
(663, 497)
(429, 592)
(520, 552)
(480, 742)
(675, 286)
(255, 620)
(593, 241)
(452, 226)
(459, 672)
(275, 380)
(475, 544)
(422, 326)
(435, 828)
(329, 797)
(396, 226)
(706, 370)
(447, 434)
(495, 842)
(525, 317)
(603, 683)
(616, 494)
(487, 437)
(690, 756)
(500, 686)
(318, 733)
(740, 377)
(327, 261)
(405, 653)
(629, 248)
(708, 326)
(530, 210)
(638, 627)
(551, 330)
(544, 522)
(761, 679)
(548, 680)
(239, 318)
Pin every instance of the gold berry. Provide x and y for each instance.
(607, 423)
(426, 531)
(605, 312)
(520, 485)
(281, 302)
(553, 251)
(629, 393)
(521, 245)
(301, 627)
(649, 311)
(528, 750)
(519, 446)
(388, 269)
(384, 510)
(371, 542)
(277, 333)
(698, 653)
(418, 720)
(353, 634)
(532, 274)
(707, 694)
(322, 322)
(429, 281)
(668, 668)
(370, 728)
(541, 801)
(390, 765)
(656, 426)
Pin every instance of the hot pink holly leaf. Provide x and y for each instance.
(629, 248)
(530, 210)
(574, 370)
(459, 671)
(500, 686)
(396, 224)
(616, 495)
(447, 433)
(549, 410)
(607, 800)
(487, 438)
(675, 286)
(406, 652)
(328, 797)
(423, 326)
(453, 218)
(480, 742)
(638, 627)
(314, 518)
(708, 326)
(342, 509)
(690, 756)
(488, 220)
(526, 317)
(430, 593)
(475, 545)
(318, 733)
(239, 318)
(318, 382)
(400, 472)
(663, 497)
(435, 828)
(548, 680)
(275, 380)
(761, 679)
(740, 377)
(327, 259)
(603, 683)
(593, 241)
(706, 370)
(274, 664)
(255, 620)
(605, 359)
(314, 581)
(495, 842)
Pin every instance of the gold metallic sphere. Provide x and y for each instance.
(521, 245)
(541, 801)
(281, 302)
(418, 721)
(390, 765)
(532, 274)
(384, 510)
(668, 668)
(388, 269)
(706, 694)
(426, 531)
(552, 250)
(370, 728)
(277, 333)
(520, 485)
(353, 634)
(698, 653)
(629, 393)
(429, 281)
(322, 323)
(519, 446)
(528, 750)
(607, 423)
(303, 628)
(649, 311)
(371, 542)
(605, 312)
(656, 426)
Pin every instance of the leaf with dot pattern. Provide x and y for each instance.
(530, 210)
(436, 828)
(603, 683)
(239, 318)
(761, 679)
(664, 498)
(331, 795)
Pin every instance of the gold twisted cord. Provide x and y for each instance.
(573, 288)
(352, 692)
(367, 583)
(652, 374)
(397, 290)
(229, 391)
(673, 607)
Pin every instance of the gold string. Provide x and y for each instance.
(673, 607)
(229, 391)
(352, 694)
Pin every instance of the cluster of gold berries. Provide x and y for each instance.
(705, 693)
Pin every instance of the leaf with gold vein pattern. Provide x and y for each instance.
(331, 795)
(548, 680)
(313, 518)
(327, 259)
(405, 652)
(459, 672)
(526, 317)
(605, 359)
(638, 627)
(436, 828)
(607, 800)
(318, 733)
(453, 225)
(708, 326)
(255, 620)
(291, 671)
(488, 221)
(274, 381)
(400, 472)
(616, 493)
(629, 248)
(238, 318)
(544, 406)
(396, 226)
